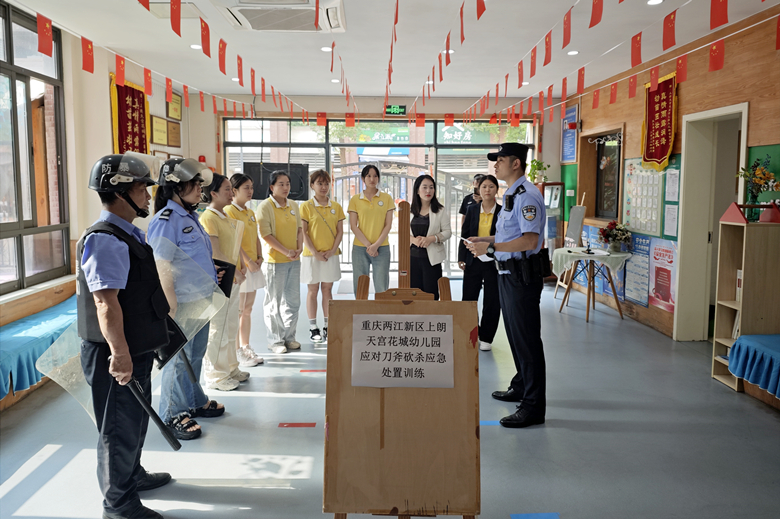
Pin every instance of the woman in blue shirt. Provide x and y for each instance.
(175, 219)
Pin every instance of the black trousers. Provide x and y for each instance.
(424, 276)
(474, 276)
(523, 323)
(121, 422)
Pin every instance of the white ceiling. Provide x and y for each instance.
(294, 63)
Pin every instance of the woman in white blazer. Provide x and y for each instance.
(430, 228)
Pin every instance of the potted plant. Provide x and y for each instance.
(536, 171)
(759, 180)
(614, 234)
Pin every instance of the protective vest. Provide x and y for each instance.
(143, 302)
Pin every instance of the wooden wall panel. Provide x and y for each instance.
(37, 302)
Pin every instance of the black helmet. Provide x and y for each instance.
(178, 171)
(116, 173)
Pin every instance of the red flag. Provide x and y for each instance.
(333, 49)
(168, 90)
(322, 118)
(441, 78)
(581, 81)
(429, 86)
(567, 28)
(541, 100)
(541, 118)
(273, 95)
(535, 122)
(243, 111)
(350, 119)
(447, 50)
(520, 111)
(530, 106)
(214, 99)
(240, 66)
(496, 94)
(205, 38)
(396, 14)
(433, 77)
(186, 96)
(419, 120)
(234, 109)
(292, 107)
(222, 51)
(317, 14)
(252, 80)
(45, 38)
(717, 55)
(654, 78)
(449, 119)
(487, 99)
(719, 13)
(669, 30)
(147, 81)
(636, 50)
(202, 103)
(596, 98)
(520, 74)
(549, 95)
(480, 8)
(423, 95)
(176, 16)
(494, 119)
(547, 49)
(682, 68)
(595, 14)
(224, 107)
(552, 110)
(87, 56)
(515, 120)
(462, 34)
(533, 62)
(144, 3)
(563, 89)
(632, 87)
(613, 93)
(506, 84)
(262, 88)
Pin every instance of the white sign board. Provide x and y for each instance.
(402, 351)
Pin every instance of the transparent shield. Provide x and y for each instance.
(201, 299)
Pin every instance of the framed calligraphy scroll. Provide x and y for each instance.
(660, 125)
(129, 117)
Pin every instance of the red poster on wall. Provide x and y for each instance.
(130, 120)
(659, 127)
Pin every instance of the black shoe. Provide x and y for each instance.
(315, 335)
(150, 480)
(510, 395)
(138, 513)
(325, 334)
(522, 418)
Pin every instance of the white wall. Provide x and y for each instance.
(551, 145)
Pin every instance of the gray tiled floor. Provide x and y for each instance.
(636, 428)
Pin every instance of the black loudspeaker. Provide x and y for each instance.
(260, 173)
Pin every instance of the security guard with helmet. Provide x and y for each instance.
(122, 314)
(522, 265)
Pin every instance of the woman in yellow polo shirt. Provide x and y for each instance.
(221, 366)
(323, 228)
(280, 228)
(370, 218)
(251, 259)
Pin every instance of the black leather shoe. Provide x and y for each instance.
(510, 395)
(521, 418)
(138, 513)
(150, 480)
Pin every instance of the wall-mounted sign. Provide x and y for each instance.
(174, 107)
(159, 131)
(569, 137)
(174, 134)
(395, 110)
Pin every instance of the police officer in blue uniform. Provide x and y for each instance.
(121, 320)
(522, 265)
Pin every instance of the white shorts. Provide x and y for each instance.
(314, 271)
(254, 281)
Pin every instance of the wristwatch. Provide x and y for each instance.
(491, 250)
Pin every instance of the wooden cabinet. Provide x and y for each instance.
(753, 248)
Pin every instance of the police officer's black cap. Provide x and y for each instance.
(510, 149)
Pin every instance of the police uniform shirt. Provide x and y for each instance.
(468, 201)
(527, 215)
(185, 231)
(106, 259)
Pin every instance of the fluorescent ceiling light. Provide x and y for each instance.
(196, 47)
(526, 83)
(445, 51)
(235, 79)
(429, 82)
(325, 49)
(335, 81)
(654, 2)
(573, 52)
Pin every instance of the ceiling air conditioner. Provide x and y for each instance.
(283, 15)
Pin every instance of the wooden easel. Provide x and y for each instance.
(572, 239)
(395, 408)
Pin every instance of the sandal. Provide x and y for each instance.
(182, 429)
(210, 410)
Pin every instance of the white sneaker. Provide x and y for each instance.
(293, 345)
(241, 376)
(485, 346)
(278, 348)
(246, 357)
(226, 384)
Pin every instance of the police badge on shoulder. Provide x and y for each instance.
(529, 212)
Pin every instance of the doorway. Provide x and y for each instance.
(714, 148)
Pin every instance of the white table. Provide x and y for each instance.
(594, 263)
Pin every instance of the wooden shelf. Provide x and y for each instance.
(726, 341)
(736, 305)
(722, 361)
(730, 380)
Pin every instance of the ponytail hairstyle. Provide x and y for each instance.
(216, 183)
(166, 192)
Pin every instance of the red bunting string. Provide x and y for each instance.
(533, 62)
(632, 87)
(567, 28)
(205, 38)
(176, 16)
(636, 50)
(719, 13)
(547, 49)
(682, 68)
(480, 8)
(520, 74)
(669, 39)
(87, 56)
(447, 50)
(462, 34)
(506, 84)
(596, 12)
(717, 55)
(613, 93)
(202, 102)
(45, 36)
(186, 96)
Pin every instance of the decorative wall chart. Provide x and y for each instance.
(643, 196)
